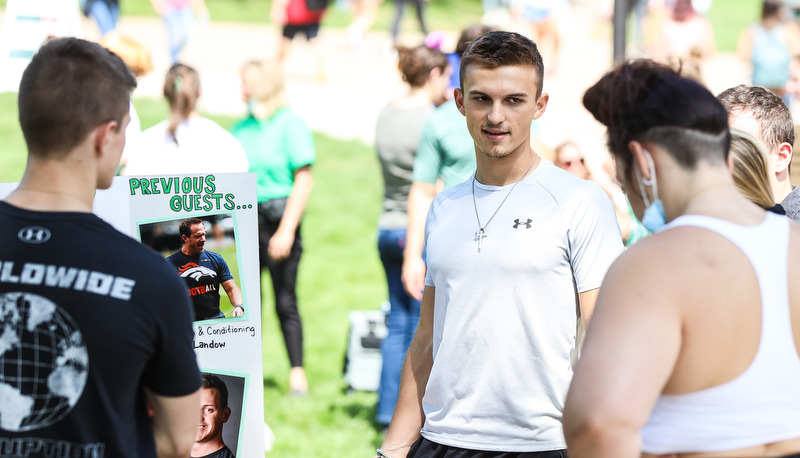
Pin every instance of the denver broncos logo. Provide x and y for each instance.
(195, 272)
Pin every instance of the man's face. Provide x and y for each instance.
(571, 160)
(195, 243)
(500, 105)
(212, 416)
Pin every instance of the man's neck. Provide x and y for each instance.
(507, 170)
(185, 250)
(783, 189)
(55, 185)
(200, 449)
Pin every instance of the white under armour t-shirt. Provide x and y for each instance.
(505, 316)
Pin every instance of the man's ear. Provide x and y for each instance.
(103, 136)
(541, 105)
(458, 95)
(784, 157)
(226, 414)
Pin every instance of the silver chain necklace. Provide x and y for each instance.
(481, 232)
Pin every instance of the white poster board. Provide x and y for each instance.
(26, 25)
(150, 209)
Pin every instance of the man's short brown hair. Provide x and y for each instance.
(185, 228)
(503, 49)
(70, 87)
(772, 114)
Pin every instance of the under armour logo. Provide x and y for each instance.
(526, 223)
(34, 234)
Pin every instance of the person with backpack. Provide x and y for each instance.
(769, 45)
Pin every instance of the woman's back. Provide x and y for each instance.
(770, 56)
(197, 145)
(733, 382)
(397, 136)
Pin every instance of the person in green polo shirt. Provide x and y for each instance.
(280, 150)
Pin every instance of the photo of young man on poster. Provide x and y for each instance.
(220, 413)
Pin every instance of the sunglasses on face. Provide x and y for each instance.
(569, 163)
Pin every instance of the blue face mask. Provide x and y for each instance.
(654, 217)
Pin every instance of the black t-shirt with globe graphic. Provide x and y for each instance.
(83, 329)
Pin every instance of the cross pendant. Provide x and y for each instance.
(480, 234)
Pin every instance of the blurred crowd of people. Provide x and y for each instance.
(422, 141)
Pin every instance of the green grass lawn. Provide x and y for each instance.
(729, 18)
(340, 272)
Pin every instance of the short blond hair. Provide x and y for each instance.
(263, 80)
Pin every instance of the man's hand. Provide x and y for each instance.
(238, 310)
(420, 197)
(174, 421)
(413, 276)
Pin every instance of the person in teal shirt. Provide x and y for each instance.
(280, 149)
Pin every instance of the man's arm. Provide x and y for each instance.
(408, 415)
(587, 300)
(280, 244)
(235, 295)
(278, 11)
(420, 197)
(175, 421)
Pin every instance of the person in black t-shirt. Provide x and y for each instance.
(214, 413)
(204, 271)
(96, 356)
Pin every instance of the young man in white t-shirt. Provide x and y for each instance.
(515, 258)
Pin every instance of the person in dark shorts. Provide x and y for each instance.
(300, 16)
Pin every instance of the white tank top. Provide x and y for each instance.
(761, 405)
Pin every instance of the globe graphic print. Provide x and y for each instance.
(44, 362)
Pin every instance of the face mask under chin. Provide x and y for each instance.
(654, 217)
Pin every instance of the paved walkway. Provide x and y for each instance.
(358, 84)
